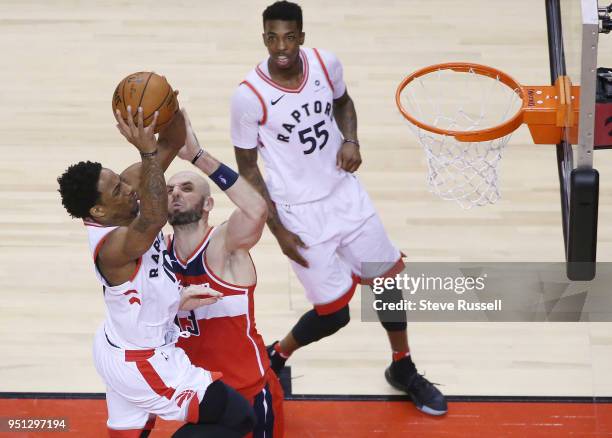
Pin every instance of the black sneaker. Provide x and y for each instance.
(403, 375)
(277, 362)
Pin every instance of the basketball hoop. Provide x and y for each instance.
(464, 114)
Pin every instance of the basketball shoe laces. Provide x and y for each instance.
(420, 385)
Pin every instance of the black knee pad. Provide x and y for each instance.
(239, 414)
(311, 327)
(394, 326)
(392, 320)
(226, 407)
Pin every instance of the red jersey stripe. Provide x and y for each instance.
(334, 306)
(138, 264)
(153, 379)
(261, 101)
(195, 251)
(316, 52)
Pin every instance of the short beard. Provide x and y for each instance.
(186, 217)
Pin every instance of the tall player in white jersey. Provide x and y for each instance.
(146, 375)
(295, 110)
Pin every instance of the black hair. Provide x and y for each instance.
(285, 11)
(78, 186)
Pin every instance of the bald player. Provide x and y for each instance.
(223, 335)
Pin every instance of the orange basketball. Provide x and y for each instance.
(150, 91)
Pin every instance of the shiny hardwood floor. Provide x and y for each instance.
(62, 60)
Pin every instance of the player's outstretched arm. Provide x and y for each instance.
(245, 225)
(249, 170)
(127, 243)
(349, 157)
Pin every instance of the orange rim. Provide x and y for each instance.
(491, 133)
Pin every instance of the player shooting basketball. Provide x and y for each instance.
(295, 110)
(134, 350)
(223, 335)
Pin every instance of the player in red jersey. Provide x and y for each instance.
(223, 335)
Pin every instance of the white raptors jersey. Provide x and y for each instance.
(140, 312)
(295, 130)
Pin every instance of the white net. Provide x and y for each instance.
(466, 172)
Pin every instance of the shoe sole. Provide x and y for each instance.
(404, 388)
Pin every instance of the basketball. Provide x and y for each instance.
(150, 91)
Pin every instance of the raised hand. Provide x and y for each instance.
(192, 146)
(140, 136)
(173, 133)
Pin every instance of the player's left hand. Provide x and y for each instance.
(192, 145)
(196, 296)
(174, 132)
(349, 157)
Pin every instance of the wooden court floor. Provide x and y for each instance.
(62, 60)
(365, 419)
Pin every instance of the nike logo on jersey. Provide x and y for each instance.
(274, 102)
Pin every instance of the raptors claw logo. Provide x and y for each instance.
(184, 396)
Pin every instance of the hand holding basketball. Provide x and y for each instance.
(141, 137)
(150, 91)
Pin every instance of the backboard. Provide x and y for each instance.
(573, 31)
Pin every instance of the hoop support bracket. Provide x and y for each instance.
(550, 111)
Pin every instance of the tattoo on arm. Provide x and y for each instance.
(346, 116)
(153, 196)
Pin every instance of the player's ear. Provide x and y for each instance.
(302, 38)
(208, 204)
(97, 211)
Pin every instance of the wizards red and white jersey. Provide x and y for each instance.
(140, 312)
(294, 129)
(223, 335)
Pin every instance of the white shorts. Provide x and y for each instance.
(142, 384)
(342, 231)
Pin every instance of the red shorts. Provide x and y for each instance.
(268, 405)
